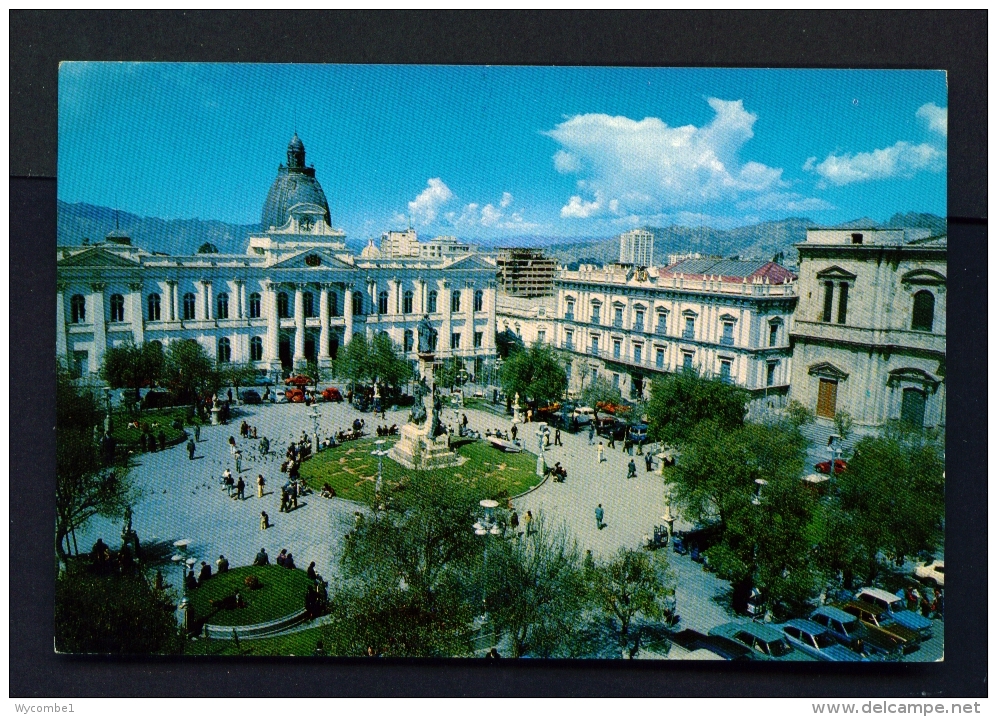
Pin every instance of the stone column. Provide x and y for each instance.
(443, 348)
(135, 309)
(209, 313)
(240, 295)
(420, 296)
(299, 326)
(61, 340)
(468, 341)
(393, 297)
(488, 340)
(272, 353)
(347, 314)
(323, 313)
(172, 310)
(99, 326)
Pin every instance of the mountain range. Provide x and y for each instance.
(80, 221)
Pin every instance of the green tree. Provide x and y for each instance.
(536, 374)
(85, 486)
(113, 615)
(798, 414)
(386, 365)
(451, 372)
(894, 491)
(353, 363)
(236, 375)
(207, 248)
(131, 366)
(680, 401)
(843, 423)
(507, 343)
(189, 371)
(600, 390)
(633, 584)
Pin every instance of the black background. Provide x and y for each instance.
(39, 40)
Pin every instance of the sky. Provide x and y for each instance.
(491, 152)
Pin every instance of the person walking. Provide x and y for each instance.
(264, 446)
(612, 437)
(557, 436)
(162, 439)
(592, 433)
(514, 523)
(260, 484)
(648, 462)
(190, 449)
(632, 469)
(238, 461)
(264, 520)
(240, 489)
(197, 432)
(513, 431)
(602, 453)
(528, 523)
(599, 514)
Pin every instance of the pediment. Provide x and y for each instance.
(728, 317)
(471, 261)
(925, 277)
(913, 375)
(828, 370)
(313, 259)
(97, 257)
(835, 272)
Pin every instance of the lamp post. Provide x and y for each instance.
(315, 416)
(755, 596)
(541, 434)
(380, 452)
(484, 528)
(108, 425)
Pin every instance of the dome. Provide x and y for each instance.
(295, 185)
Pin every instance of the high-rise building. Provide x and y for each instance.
(526, 272)
(637, 247)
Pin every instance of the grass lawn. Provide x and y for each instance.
(164, 418)
(300, 644)
(351, 470)
(283, 593)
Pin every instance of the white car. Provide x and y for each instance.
(584, 414)
(935, 571)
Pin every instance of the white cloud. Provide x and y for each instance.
(506, 200)
(784, 202)
(936, 117)
(423, 208)
(901, 160)
(490, 215)
(642, 167)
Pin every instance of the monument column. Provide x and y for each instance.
(61, 341)
(99, 326)
(347, 314)
(135, 309)
(323, 313)
(299, 326)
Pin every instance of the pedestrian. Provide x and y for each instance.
(283, 500)
(191, 581)
(238, 461)
(529, 415)
(205, 575)
(261, 557)
(589, 562)
(592, 434)
(602, 456)
(230, 395)
(197, 432)
(240, 489)
(264, 446)
(222, 564)
(264, 521)
(648, 462)
(260, 484)
(162, 439)
(513, 431)
(463, 420)
(612, 437)
(143, 443)
(190, 448)
(514, 522)
(632, 469)
(528, 522)
(294, 496)
(281, 557)
(311, 570)
(599, 513)
(227, 480)
(557, 436)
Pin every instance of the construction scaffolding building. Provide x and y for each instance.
(526, 272)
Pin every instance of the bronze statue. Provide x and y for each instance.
(426, 334)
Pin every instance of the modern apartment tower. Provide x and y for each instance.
(637, 247)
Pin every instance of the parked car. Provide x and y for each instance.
(694, 542)
(840, 466)
(879, 619)
(251, 398)
(932, 572)
(294, 395)
(817, 641)
(263, 379)
(855, 635)
(697, 642)
(638, 433)
(299, 380)
(584, 415)
(897, 608)
(610, 425)
(332, 394)
(767, 642)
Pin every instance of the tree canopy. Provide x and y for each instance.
(507, 343)
(536, 373)
(376, 360)
(131, 366)
(682, 400)
(600, 391)
(189, 371)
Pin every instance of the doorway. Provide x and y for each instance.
(285, 352)
(827, 397)
(912, 407)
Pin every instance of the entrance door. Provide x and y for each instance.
(827, 397)
(285, 351)
(310, 354)
(334, 346)
(912, 408)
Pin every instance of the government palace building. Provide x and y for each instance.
(295, 296)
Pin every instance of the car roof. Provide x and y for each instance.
(835, 613)
(808, 626)
(881, 594)
(875, 609)
(753, 628)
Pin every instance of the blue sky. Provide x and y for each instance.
(490, 152)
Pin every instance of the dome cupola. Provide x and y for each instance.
(294, 191)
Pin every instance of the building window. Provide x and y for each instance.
(686, 361)
(842, 303)
(479, 300)
(659, 358)
(617, 346)
(856, 238)
(78, 309)
(773, 334)
(639, 321)
(256, 349)
(690, 328)
(567, 371)
(638, 353)
(81, 363)
(455, 302)
(924, 311)
(189, 307)
(912, 407)
(569, 310)
(154, 307)
(117, 307)
(224, 351)
(407, 302)
(595, 374)
(283, 307)
(477, 339)
(431, 302)
(662, 327)
(333, 304)
(727, 338)
(828, 300)
(725, 371)
(616, 380)
(222, 302)
(569, 340)
(596, 309)
(408, 339)
(455, 340)
(254, 305)
(382, 302)
(357, 303)
(618, 317)
(594, 347)
(308, 300)
(542, 335)
(770, 374)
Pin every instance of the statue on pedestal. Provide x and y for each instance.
(426, 333)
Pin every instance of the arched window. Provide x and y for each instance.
(224, 351)
(924, 311)
(78, 309)
(117, 307)
(409, 340)
(154, 307)
(407, 302)
(382, 302)
(254, 305)
(431, 302)
(256, 349)
(309, 304)
(569, 310)
(479, 300)
(222, 306)
(357, 303)
(333, 304)
(189, 307)
(283, 308)
(455, 302)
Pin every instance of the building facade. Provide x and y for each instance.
(296, 296)
(725, 318)
(526, 272)
(637, 247)
(531, 320)
(869, 331)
